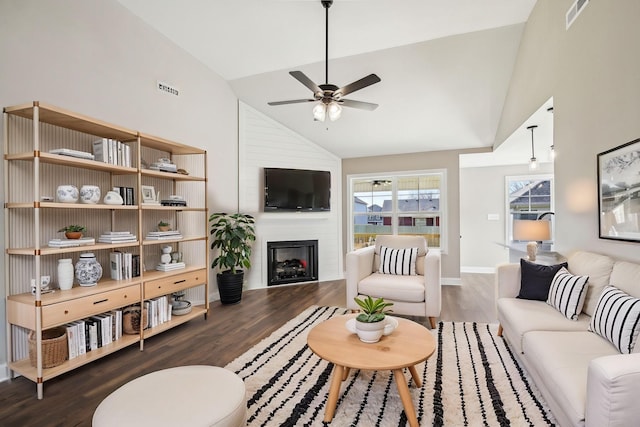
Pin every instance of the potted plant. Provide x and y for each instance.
(232, 235)
(73, 231)
(370, 323)
(164, 226)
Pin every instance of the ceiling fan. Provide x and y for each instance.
(330, 96)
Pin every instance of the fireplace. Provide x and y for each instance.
(292, 261)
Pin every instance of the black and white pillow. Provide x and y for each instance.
(617, 318)
(398, 261)
(567, 293)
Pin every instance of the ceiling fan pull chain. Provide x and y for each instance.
(326, 44)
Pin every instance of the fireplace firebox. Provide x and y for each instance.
(292, 261)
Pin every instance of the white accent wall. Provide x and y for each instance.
(264, 142)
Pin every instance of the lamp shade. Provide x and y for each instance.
(531, 229)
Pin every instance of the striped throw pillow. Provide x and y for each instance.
(398, 261)
(567, 293)
(617, 318)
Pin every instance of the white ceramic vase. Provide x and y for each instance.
(113, 198)
(65, 274)
(67, 193)
(88, 270)
(89, 194)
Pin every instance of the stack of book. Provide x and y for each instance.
(164, 235)
(93, 332)
(112, 151)
(124, 265)
(159, 311)
(117, 237)
(68, 243)
(171, 266)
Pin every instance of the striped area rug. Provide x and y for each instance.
(471, 380)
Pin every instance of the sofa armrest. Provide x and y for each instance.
(613, 387)
(507, 281)
(359, 264)
(432, 280)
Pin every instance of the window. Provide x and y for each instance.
(528, 197)
(411, 203)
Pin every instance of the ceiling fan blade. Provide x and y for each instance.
(293, 101)
(358, 104)
(302, 78)
(357, 85)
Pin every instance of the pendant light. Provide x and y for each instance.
(533, 162)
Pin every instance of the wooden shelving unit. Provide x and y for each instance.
(32, 172)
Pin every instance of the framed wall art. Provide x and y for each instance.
(619, 192)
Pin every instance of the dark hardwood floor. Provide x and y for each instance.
(229, 331)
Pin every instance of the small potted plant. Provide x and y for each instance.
(370, 323)
(232, 235)
(73, 231)
(164, 226)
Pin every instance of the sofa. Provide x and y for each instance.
(584, 361)
(415, 292)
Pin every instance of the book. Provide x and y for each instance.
(115, 265)
(100, 150)
(72, 340)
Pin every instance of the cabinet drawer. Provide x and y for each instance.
(164, 286)
(68, 311)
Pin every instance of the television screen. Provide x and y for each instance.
(296, 190)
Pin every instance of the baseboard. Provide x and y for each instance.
(451, 281)
(4, 372)
(482, 270)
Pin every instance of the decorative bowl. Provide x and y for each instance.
(67, 193)
(113, 198)
(89, 194)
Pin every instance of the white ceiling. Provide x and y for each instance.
(445, 66)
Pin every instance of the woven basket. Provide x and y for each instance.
(55, 349)
(131, 319)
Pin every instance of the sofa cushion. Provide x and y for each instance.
(560, 360)
(398, 261)
(598, 268)
(401, 242)
(567, 293)
(394, 288)
(626, 277)
(519, 316)
(617, 318)
(535, 279)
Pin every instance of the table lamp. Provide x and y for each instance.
(533, 230)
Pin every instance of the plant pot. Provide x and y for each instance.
(230, 286)
(73, 234)
(164, 227)
(370, 332)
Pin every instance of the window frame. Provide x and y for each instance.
(394, 176)
(508, 223)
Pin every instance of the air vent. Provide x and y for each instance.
(575, 10)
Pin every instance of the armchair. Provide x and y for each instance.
(413, 295)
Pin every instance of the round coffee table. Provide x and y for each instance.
(410, 344)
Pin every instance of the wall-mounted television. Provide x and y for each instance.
(296, 190)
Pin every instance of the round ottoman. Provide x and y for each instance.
(182, 396)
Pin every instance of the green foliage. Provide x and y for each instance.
(80, 228)
(373, 310)
(232, 235)
(162, 223)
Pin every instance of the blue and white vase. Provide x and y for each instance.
(67, 193)
(88, 270)
(89, 194)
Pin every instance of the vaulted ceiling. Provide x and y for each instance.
(444, 66)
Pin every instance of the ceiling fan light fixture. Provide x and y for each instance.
(319, 112)
(334, 110)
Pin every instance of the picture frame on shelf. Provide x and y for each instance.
(619, 192)
(148, 194)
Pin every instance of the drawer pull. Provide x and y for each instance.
(101, 301)
(179, 281)
(66, 312)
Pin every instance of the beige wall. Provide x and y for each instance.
(98, 59)
(591, 71)
(411, 162)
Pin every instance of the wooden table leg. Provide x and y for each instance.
(345, 374)
(414, 375)
(405, 397)
(334, 390)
